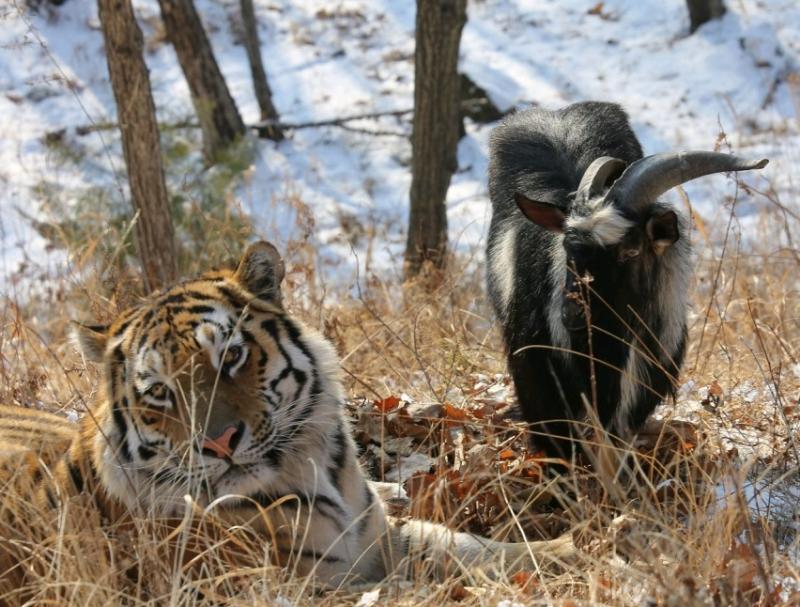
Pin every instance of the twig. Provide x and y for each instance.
(88, 129)
(774, 377)
(340, 122)
(331, 121)
(715, 282)
(375, 132)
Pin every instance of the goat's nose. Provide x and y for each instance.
(225, 444)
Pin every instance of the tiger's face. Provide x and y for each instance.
(210, 388)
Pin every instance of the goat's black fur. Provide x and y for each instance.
(635, 304)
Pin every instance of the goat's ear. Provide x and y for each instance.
(261, 271)
(662, 230)
(543, 214)
(91, 340)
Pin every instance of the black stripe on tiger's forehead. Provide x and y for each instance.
(216, 287)
(168, 322)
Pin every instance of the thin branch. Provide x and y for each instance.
(338, 122)
(331, 121)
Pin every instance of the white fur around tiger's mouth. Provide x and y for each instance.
(241, 479)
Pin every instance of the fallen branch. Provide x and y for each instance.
(341, 122)
(332, 121)
(110, 126)
(187, 124)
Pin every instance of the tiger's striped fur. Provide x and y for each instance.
(24, 430)
(210, 389)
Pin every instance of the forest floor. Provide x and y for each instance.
(714, 519)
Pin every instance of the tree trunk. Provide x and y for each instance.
(434, 137)
(216, 110)
(701, 11)
(136, 112)
(260, 84)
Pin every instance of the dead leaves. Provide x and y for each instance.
(743, 579)
(527, 581)
(460, 465)
(453, 414)
(385, 405)
(469, 465)
(598, 10)
(447, 496)
(714, 398)
(477, 497)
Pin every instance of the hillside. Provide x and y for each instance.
(717, 521)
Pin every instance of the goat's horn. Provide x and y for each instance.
(597, 177)
(646, 179)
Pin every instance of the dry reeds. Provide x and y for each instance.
(704, 513)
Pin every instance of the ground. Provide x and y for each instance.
(335, 200)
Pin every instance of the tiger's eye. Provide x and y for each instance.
(232, 355)
(159, 395)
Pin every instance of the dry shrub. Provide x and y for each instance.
(678, 528)
(70, 555)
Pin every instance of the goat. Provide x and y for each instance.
(587, 272)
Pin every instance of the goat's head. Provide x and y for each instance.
(616, 225)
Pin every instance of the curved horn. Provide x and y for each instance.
(646, 179)
(598, 175)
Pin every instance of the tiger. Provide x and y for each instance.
(212, 392)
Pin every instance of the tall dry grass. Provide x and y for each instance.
(705, 515)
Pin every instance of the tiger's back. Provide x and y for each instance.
(31, 438)
(22, 427)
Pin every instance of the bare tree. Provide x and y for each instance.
(263, 93)
(434, 137)
(216, 110)
(136, 112)
(702, 11)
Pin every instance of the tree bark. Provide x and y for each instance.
(263, 93)
(216, 110)
(702, 11)
(434, 137)
(136, 112)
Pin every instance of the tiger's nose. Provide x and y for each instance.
(225, 444)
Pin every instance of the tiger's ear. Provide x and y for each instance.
(261, 271)
(91, 340)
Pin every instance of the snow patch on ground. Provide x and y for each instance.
(738, 74)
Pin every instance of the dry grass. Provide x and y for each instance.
(710, 517)
(703, 520)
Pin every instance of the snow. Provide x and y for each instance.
(408, 466)
(768, 495)
(369, 598)
(346, 192)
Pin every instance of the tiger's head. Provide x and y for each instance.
(209, 389)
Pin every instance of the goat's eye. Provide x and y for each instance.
(626, 254)
(159, 395)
